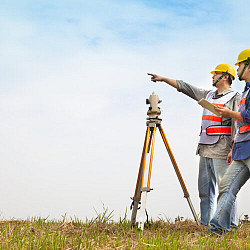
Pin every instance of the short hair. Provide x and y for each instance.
(230, 79)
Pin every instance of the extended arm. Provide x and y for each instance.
(187, 89)
(156, 78)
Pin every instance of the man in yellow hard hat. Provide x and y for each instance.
(239, 171)
(216, 135)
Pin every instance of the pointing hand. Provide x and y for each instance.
(155, 78)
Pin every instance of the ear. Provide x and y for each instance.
(226, 77)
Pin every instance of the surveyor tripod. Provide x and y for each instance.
(143, 181)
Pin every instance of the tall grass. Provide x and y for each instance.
(103, 233)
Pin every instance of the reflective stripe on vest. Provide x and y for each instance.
(242, 101)
(212, 118)
(243, 129)
(211, 125)
(219, 105)
(225, 130)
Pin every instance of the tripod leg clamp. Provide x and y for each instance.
(147, 189)
(135, 199)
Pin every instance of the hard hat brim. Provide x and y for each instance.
(212, 72)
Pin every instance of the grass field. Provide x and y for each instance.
(102, 233)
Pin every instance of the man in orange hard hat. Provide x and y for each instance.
(216, 135)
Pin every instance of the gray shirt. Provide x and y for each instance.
(221, 149)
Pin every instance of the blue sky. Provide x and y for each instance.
(130, 21)
(73, 88)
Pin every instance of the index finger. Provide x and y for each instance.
(150, 74)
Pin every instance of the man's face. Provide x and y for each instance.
(246, 74)
(216, 76)
(240, 68)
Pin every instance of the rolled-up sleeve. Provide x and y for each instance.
(191, 91)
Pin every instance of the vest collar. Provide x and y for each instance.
(216, 95)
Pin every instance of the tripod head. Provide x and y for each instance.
(153, 110)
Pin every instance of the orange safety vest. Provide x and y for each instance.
(211, 125)
(243, 129)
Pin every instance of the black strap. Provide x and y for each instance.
(132, 204)
(223, 74)
(146, 214)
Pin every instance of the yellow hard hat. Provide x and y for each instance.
(244, 54)
(225, 68)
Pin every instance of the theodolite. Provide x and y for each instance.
(143, 180)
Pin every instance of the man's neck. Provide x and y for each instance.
(222, 88)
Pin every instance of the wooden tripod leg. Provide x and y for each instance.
(151, 143)
(145, 187)
(137, 195)
(186, 194)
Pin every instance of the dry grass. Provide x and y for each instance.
(104, 234)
